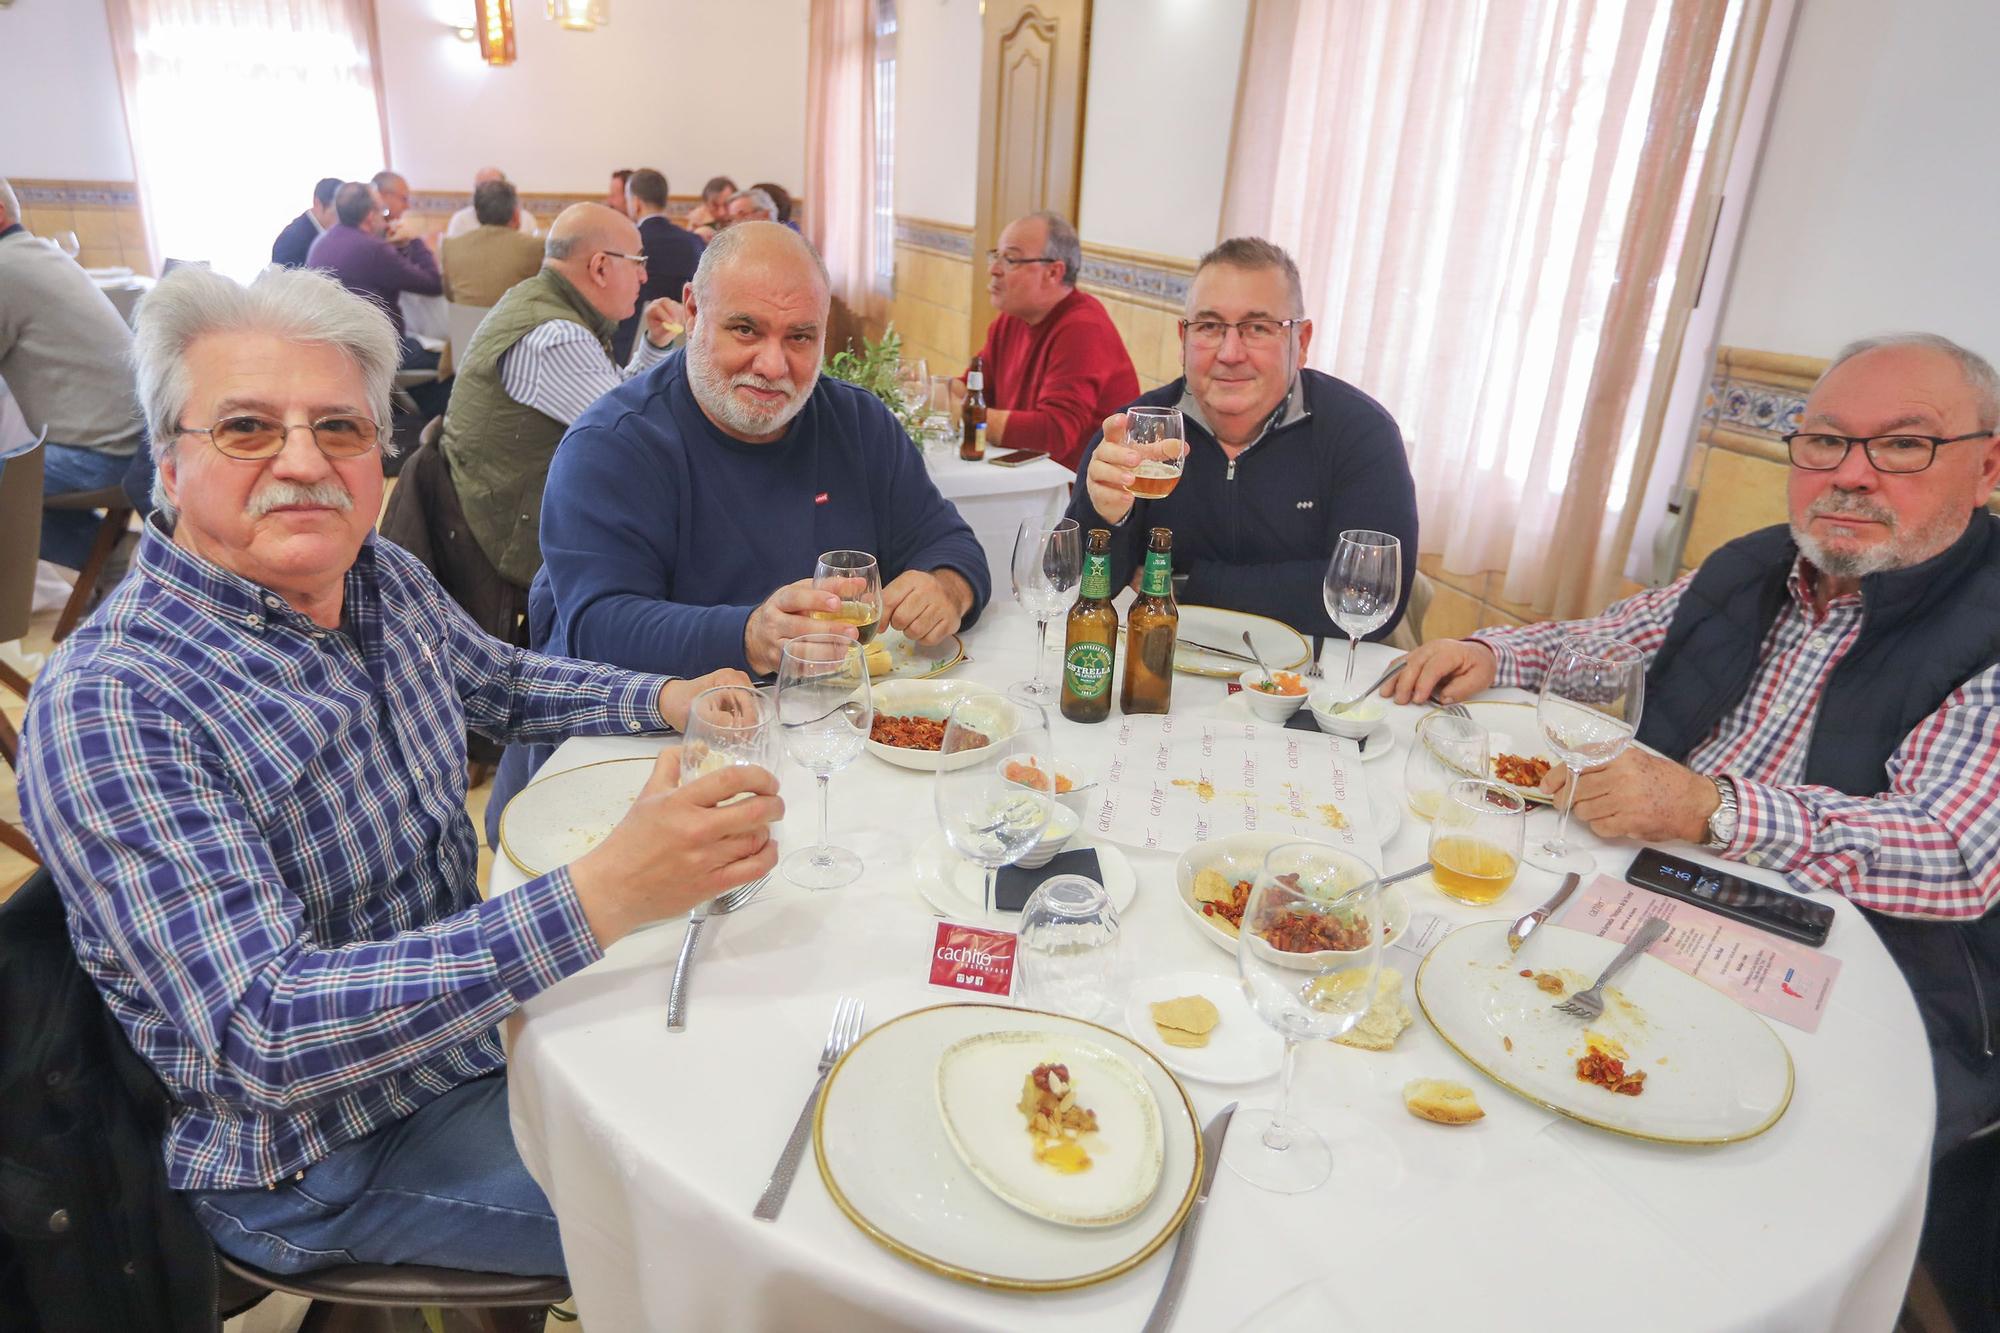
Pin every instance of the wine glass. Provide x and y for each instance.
(938, 415)
(1448, 748)
(1068, 952)
(1160, 434)
(1588, 713)
(1048, 562)
(913, 383)
(1307, 895)
(728, 724)
(1364, 580)
(824, 714)
(67, 242)
(1476, 839)
(987, 817)
(855, 578)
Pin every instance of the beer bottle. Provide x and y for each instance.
(1090, 641)
(1150, 627)
(972, 445)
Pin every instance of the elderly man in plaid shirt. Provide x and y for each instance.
(1827, 694)
(247, 774)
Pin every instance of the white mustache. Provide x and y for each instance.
(784, 386)
(280, 494)
(1838, 503)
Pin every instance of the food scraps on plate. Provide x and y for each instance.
(1186, 1020)
(1056, 1122)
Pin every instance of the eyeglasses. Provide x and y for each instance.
(639, 259)
(1813, 452)
(1015, 261)
(255, 437)
(1256, 333)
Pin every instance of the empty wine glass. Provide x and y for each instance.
(1309, 951)
(913, 384)
(1588, 713)
(987, 817)
(1068, 951)
(1448, 747)
(938, 415)
(825, 711)
(1364, 581)
(855, 578)
(728, 724)
(1048, 562)
(1160, 434)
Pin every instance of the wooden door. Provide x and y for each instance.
(1035, 59)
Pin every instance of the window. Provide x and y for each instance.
(885, 145)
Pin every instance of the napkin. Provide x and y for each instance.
(1015, 884)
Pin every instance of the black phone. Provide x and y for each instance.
(1759, 905)
(1018, 457)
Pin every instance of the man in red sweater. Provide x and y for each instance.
(1054, 365)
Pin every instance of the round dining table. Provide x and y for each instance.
(654, 1146)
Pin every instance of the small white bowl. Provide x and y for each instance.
(1062, 826)
(1362, 722)
(1268, 707)
(1081, 789)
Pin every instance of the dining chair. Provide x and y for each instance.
(361, 1296)
(463, 322)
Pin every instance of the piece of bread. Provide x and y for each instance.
(1443, 1102)
(1385, 1019)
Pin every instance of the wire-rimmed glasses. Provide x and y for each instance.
(252, 437)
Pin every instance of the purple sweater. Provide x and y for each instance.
(372, 267)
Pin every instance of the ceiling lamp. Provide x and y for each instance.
(580, 15)
(494, 20)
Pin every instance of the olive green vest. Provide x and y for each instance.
(499, 450)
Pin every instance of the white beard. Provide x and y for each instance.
(719, 400)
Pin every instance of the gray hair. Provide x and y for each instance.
(1254, 252)
(731, 239)
(759, 198)
(1062, 244)
(296, 305)
(1978, 371)
(8, 201)
(493, 203)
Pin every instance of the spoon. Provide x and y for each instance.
(1269, 679)
(1517, 934)
(1347, 705)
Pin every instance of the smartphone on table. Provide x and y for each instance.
(1790, 914)
(1015, 459)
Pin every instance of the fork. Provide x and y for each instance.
(1319, 641)
(1456, 710)
(1589, 1004)
(677, 989)
(840, 1039)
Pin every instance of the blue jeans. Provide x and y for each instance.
(443, 1187)
(67, 470)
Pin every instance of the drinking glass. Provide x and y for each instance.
(1447, 748)
(1476, 840)
(67, 242)
(1048, 562)
(855, 578)
(824, 714)
(729, 724)
(1067, 958)
(1588, 712)
(1364, 580)
(913, 383)
(1160, 435)
(988, 818)
(1306, 996)
(938, 416)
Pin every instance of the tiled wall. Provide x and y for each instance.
(103, 214)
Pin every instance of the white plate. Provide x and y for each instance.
(1242, 1048)
(932, 699)
(1715, 1072)
(555, 819)
(953, 885)
(1241, 856)
(914, 661)
(882, 1151)
(1511, 729)
(1283, 648)
(979, 1087)
(1380, 741)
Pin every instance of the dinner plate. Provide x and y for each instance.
(1242, 1048)
(555, 819)
(1241, 856)
(889, 1166)
(1381, 740)
(981, 1081)
(1715, 1072)
(956, 887)
(932, 699)
(1511, 729)
(1283, 648)
(915, 661)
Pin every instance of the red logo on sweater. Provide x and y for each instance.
(820, 499)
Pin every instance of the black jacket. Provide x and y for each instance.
(671, 255)
(293, 242)
(91, 1238)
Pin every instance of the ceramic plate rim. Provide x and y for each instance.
(1211, 673)
(922, 761)
(973, 915)
(942, 666)
(507, 847)
(1528, 794)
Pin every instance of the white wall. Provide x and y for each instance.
(63, 119)
(937, 109)
(695, 88)
(1162, 97)
(1876, 201)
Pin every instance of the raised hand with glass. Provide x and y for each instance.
(825, 711)
(987, 817)
(856, 579)
(1364, 582)
(1048, 563)
(1588, 712)
(1159, 434)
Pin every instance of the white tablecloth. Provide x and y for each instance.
(994, 500)
(653, 1147)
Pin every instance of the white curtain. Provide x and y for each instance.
(236, 108)
(1484, 197)
(840, 147)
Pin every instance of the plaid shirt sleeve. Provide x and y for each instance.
(163, 860)
(1928, 847)
(1523, 651)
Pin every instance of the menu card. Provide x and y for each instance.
(1765, 973)
(1175, 782)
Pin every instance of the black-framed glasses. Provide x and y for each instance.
(1814, 451)
(244, 435)
(1252, 332)
(639, 259)
(1015, 261)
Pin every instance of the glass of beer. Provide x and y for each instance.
(1160, 436)
(855, 578)
(1448, 748)
(1476, 839)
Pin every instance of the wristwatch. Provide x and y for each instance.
(1722, 824)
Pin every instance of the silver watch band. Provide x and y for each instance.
(1721, 828)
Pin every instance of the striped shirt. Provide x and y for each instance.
(258, 827)
(1921, 848)
(560, 368)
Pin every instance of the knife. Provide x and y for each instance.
(1517, 934)
(1177, 1271)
